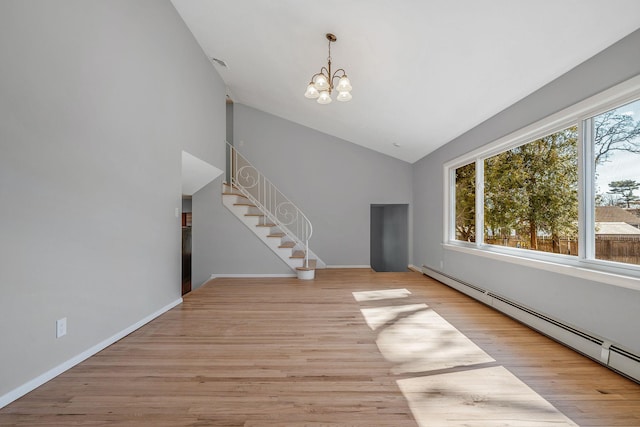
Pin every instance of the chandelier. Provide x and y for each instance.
(321, 84)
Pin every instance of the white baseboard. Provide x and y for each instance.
(414, 268)
(596, 347)
(52, 373)
(348, 266)
(249, 276)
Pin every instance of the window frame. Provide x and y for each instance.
(585, 264)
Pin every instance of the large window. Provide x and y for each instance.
(531, 195)
(616, 152)
(567, 187)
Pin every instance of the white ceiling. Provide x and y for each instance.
(423, 71)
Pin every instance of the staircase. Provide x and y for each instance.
(270, 215)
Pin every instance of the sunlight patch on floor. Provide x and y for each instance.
(451, 383)
(478, 397)
(423, 341)
(381, 294)
(379, 316)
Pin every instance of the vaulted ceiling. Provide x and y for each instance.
(423, 71)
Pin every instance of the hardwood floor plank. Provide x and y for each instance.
(284, 352)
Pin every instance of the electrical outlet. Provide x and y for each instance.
(441, 265)
(177, 212)
(61, 327)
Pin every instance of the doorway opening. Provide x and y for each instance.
(389, 237)
(186, 244)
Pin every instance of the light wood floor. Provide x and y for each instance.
(283, 352)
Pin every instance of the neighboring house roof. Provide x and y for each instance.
(615, 214)
(615, 228)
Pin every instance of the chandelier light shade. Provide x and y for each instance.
(324, 98)
(344, 96)
(321, 85)
(311, 92)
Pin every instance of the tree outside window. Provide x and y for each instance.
(530, 192)
(616, 147)
(531, 198)
(466, 203)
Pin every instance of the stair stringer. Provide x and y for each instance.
(231, 202)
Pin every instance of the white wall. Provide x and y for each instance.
(97, 101)
(609, 311)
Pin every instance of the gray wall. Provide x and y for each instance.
(186, 205)
(229, 121)
(610, 311)
(333, 181)
(395, 234)
(389, 237)
(97, 100)
(376, 235)
(222, 244)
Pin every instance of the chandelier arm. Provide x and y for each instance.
(335, 74)
(318, 74)
(326, 73)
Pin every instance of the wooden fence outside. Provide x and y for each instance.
(618, 248)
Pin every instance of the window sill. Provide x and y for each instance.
(562, 264)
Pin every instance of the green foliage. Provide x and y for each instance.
(625, 189)
(502, 194)
(466, 202)
(532, 189)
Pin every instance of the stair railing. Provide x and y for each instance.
(278, 209)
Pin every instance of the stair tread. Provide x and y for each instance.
(312, 266)
(285, 243)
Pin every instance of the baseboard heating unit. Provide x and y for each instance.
(594, 347)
